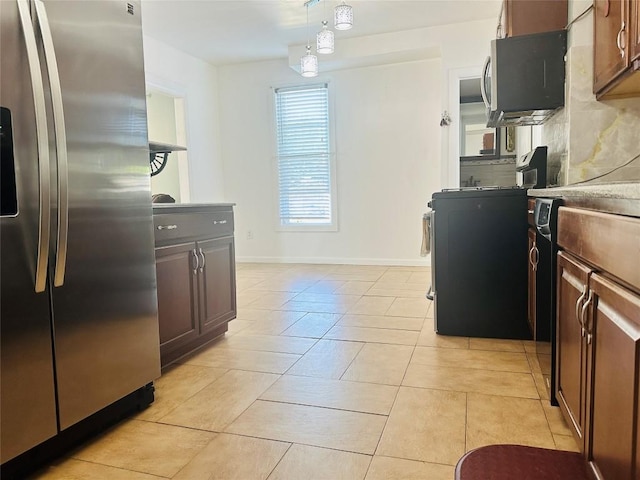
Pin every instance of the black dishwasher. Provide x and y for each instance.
(479, 262)
(545, 218)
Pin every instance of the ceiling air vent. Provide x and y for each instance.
(130, 8)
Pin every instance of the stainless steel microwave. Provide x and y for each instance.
(523, 81)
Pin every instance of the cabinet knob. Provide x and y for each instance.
(167, 227)
(219, 222)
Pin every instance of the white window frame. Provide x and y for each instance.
(305, 227)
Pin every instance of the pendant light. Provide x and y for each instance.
(325, 37)
(324, 40)
(309, 62)
(343, 17)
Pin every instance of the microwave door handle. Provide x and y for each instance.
(42, 139)
(61, 144)
(483, 82)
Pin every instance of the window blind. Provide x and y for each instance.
(304, 168)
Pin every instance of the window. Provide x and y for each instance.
(305, 179)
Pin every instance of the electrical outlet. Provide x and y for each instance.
(249, 235)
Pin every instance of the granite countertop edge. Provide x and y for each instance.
(624, 191)
(617, 198)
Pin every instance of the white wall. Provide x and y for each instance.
(161, 123)
(182, 75)
(388, 161)
(464, 49)
(392, 153)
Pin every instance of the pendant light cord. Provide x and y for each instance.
(308, 38)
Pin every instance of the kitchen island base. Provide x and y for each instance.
(195, 267)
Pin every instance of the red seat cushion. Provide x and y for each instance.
(509, 462)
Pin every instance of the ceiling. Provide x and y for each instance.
(234, 31)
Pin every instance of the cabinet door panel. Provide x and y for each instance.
(634, 31)
(570, 344)
(177, 290)
(614, 379)
(525, 18)
(608, 19)
(217, 290)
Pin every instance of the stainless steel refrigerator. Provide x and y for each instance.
(78, 309)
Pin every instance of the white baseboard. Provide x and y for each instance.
(400, 262)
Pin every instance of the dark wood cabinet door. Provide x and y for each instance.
(634, 31)
(523, 17)
(615, 345)
(217, 286)
(573, 277)
(608, 62)
(177, 295)
(533, 260)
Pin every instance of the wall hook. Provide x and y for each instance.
(446, 119)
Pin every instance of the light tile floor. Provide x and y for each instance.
(329, 372)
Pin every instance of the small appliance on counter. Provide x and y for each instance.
(531, 169)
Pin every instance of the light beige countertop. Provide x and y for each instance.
(620, 198)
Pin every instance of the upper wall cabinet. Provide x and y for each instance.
(523, 17)
(616, 60)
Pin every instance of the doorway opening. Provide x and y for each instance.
(166, 125)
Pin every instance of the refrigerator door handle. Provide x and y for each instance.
(61, 144)
(37, 87)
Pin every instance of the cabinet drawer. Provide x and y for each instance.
(178, 226)
(609, 242)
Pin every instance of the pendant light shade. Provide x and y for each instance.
(324, 40)
(343, 17)
(309, 64)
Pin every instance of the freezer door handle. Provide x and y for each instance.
(37, 88)
(61, 144)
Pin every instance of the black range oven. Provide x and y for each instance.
(479, 262)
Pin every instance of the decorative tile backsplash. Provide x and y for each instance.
(588, 138)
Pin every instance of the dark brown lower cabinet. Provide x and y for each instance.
(614, 350)
(571, 346)
(195, 267)
(217, 283)
(177, 296)
(598, 339)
